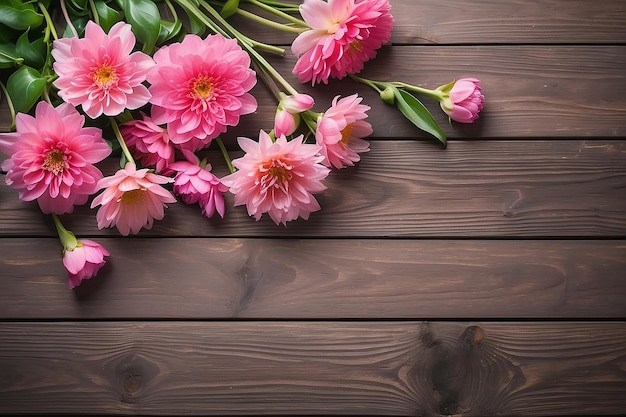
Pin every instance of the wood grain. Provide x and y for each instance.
(320, 279)
(414, 189)
(363, 368)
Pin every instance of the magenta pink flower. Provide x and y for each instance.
(199, 87)
(344, 35)
(149, 142)
(84, 261)
(278, 178)
(463, 100)
(195, 184)
(99, 72)
(340, 131)
(52, 156)
(132, 199)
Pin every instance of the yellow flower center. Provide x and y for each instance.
(54, 162)
(279, 173)
(345, 133)
(131, 197)
(105, 75)
(202, 87)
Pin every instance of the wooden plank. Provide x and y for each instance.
(362, 368)
(489, 22)
(531, 91)
(320, 279)
(407, 189)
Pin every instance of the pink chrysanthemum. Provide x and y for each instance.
(150, 143)
(84, 261)
(340, 131)
(195, 184)
(278, 178)
(52, 156)
(132, 199)
(344, 35)
(99, 72)
(199, 87)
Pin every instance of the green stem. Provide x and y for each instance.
(67, 238)
(373, 84)
(94, 12)
(270, 23)
(68, 21)
(120, 140)
(229, 163)
(279, 13)
(436, 94)
(49, 24)
(10, 104)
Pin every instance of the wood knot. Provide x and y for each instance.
(473, 335)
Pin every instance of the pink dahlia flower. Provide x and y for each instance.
(465, 100)
(149, 142)
(84, 261)
(199, 87)
(99, 72)
(195, 184)
(132, 199)
(344, 35)
(52, 156)
(340, 131)
(278, 178)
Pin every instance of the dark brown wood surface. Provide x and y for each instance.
(484, 279)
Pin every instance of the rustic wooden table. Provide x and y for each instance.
(484, 279)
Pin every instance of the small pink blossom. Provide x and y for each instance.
(99, 72)
(278, 178)
(84, 261)
(464, 100)
(344, 35)
(195, 184)
(340, 131)
(132, 199)
(52, 156)
(149, 142)
(200, 87)
(287, 116)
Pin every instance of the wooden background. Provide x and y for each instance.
(484, 279)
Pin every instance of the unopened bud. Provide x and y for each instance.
(388, 95)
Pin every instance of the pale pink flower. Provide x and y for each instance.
(200, 87)
(52, 156)
(99, 72)
(196, 184)
(278, 178)
(464, 100)
(287, 116)
(149, 142)
(84, 261)
(132, 199)
(340, 131)
(344, 35)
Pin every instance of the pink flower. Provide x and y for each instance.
(278, 178)
(149, 142)
(199, 87)
(52, 156)
(195, 184)
(340, 129)
(287, 116)
(463, 100)
(131, 199)
(344, 35)
(84, 261)
(99, 72)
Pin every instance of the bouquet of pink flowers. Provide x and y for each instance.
(155, 82)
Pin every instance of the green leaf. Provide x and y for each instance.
(18, 15)
(33, 52)
(418, 114)
(229, 8)
(169, 30)
(108, 16)
(8, 56)
(24, 87)
(144, 17)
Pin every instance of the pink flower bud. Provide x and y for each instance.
(297, 103)
(285, 123)
(84, 261)
(464, 100)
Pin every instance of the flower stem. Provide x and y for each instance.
(66, 16)
(229, 163)
(120, 140)
(10, 104)
(67, 238)
(94, 12)
(49, 24)
(280, 13)
(436, 94)
(270, 23)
